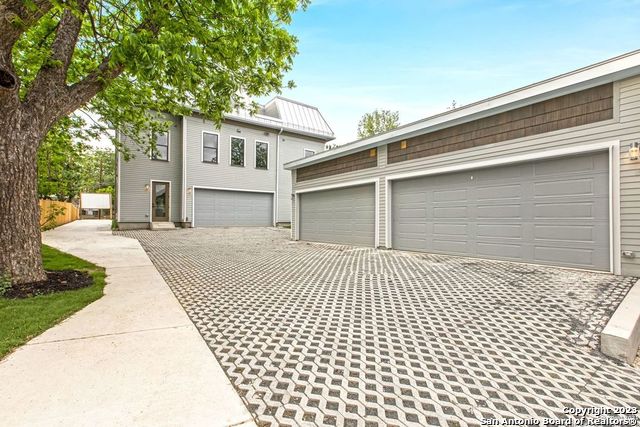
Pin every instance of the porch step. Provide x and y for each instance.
(163, 226)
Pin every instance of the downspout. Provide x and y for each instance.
(275, 199)
(184, 170)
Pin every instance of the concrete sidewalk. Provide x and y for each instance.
(132, 357)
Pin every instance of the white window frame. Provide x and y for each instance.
(255, 154)
(244, 143)
(304, 152)
(202, 147)
(168, 149)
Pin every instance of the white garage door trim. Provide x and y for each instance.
(202, 187)
(354, 183)
(614, 185)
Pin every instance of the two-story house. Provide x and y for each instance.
(202, 175)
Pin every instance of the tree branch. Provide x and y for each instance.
(53, 73)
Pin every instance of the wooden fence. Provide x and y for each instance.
(68, 213)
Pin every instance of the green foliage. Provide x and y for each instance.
(68, 166)
(23, 319)
(49, 221)
(167, 56)
(377, 122)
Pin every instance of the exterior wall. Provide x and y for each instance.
(623, 127)
(353, 162)
(575, 109)
(222, 174)
(135, 174)
(291, 148)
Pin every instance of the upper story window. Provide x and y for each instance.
(210, 147)
(308, 153)
(161, 151)
(262, 155)
(237, 151)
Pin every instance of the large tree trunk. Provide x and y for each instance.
(20, 259)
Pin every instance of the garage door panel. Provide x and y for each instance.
(347, 216)
(551, 212)
(221, 208)
(494, 192)
(502, 230)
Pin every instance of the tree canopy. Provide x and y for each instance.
(124, 59)
(377, 122)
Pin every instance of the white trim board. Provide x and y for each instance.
(613, 148)
(203, 187)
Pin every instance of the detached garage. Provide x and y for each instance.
(219, 208)
(547, 174)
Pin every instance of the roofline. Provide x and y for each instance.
(276, 126)
(323, 137)
(610, 70)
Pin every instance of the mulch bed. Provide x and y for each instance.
(57, 281)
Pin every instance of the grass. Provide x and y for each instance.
(23, 319)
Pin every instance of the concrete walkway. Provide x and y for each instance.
(132, 357)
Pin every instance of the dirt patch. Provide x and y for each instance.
(57, 281)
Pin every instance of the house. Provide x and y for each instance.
(203, 175)
(545, 174)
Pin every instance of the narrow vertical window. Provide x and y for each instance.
(262, 155)
(161, 151)
(209, 147)
(237, 151)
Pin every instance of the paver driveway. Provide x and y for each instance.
(334, 335)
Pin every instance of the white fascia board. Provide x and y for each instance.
(608, 71)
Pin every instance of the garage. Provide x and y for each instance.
(220, 208)
(343, 215)
(553, 211)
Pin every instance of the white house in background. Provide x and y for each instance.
(207, 176)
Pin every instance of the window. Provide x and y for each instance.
(161, 151)
(209, 147)
(237, 151)
(262, 155)
(308, 153)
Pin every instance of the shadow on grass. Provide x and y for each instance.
(23, 319)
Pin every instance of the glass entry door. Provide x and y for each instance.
(160, 202)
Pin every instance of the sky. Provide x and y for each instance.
(417, 57)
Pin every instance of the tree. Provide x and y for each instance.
(377, 122)
(122, 60)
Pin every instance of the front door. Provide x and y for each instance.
(160, 201)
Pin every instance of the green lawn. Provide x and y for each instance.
(23, 319)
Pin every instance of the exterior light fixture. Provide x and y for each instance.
(146, 188)
(189, 190)
(634, 151)
(238, 130)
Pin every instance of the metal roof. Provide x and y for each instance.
(290, 115)
(613, 69)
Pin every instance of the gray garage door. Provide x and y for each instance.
(344, 215)
(214, 208)
(548, 212)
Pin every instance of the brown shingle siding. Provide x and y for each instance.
(350, 163)
(576, 109)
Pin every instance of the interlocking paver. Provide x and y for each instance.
(319, 334)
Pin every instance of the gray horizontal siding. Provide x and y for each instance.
(623, 127)
(223, 175)
(138, 171)
(291, 148)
